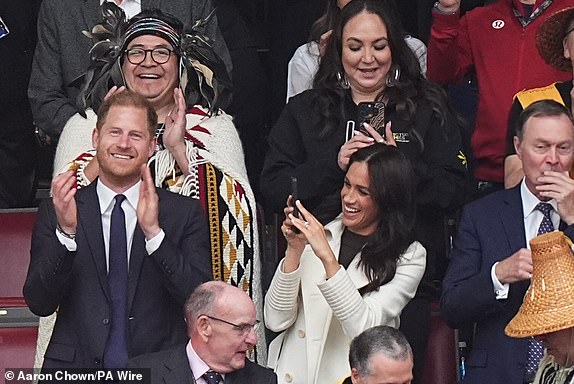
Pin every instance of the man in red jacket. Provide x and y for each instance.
(498, 41)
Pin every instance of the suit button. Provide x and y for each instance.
(105, 321)
(301, 333)
(97, 361)
(288, 377)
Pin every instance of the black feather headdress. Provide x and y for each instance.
(203, 76)
(104, 70)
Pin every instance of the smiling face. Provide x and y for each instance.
(547, 145)
(154, 81)
(123, 144)
(366, 55)
(360, 211)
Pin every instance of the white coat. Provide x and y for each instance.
(320, 317)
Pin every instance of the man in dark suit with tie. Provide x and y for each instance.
(117, 258)
(221, 321)
(490, 266)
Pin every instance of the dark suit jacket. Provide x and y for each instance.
(491, 229)
(62, 55)
(172, 367)
(76, 282)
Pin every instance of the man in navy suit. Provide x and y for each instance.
(221, 321)
(490, 266)
(166, 246)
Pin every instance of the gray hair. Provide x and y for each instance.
(380, 339)
(202, 300)
(541, 108)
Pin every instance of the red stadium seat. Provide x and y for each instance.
(441, 355)
(15, 234)
(18, 333)
(18, 326)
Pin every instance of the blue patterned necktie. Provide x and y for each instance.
(535, 348)
(212, 377)
(116, 352)
(546, 223)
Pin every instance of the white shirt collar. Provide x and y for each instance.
(197, 365)
(106, 196)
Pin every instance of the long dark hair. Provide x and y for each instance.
(404, 94)
(326, 22)
(393, 189)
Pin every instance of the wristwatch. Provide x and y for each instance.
(437, 9)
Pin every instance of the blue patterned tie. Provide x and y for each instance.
(535, 348)
(116, 352)
(212, 377)
(546, 223)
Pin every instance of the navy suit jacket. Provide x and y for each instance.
(491, 229)
(172, 367)
(75, 283)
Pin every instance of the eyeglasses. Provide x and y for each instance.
(138, 55)
(242, 328)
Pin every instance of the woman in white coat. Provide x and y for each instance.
(358, 271)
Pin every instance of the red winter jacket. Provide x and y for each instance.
(504, 55)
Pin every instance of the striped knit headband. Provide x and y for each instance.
(152, 26)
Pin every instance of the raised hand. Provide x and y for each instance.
(148, 205)
(387, 140)
(358, 141)
(63, 192)
(175, 123)
(315, 234)
(174, 134)
(113, 90)
(558, 186)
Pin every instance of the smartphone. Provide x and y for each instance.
(372, 113)
(294, 197)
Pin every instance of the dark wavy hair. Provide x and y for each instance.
(393, 189)
(329, 19)
(404, 94)
(326, 22)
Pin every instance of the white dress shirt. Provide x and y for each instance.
(197, 365)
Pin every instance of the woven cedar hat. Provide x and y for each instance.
(550, 36)
(548, 305)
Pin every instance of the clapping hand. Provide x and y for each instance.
(148, 205)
